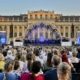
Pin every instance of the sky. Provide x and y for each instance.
(16, 7)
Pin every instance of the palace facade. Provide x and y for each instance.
(26, 25)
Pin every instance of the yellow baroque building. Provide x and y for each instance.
(18, 26)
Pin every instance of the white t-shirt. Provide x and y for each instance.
(74, 60)
(10, 55)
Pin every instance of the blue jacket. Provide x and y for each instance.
(11, 76)
(78, 55)
(1, 76)
(51, 75)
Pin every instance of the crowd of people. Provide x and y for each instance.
(39, 63)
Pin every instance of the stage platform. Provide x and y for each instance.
(45, 42)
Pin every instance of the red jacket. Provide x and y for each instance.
(28, 76)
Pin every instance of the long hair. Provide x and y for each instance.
(29, 59)
(36, 66)
(64, 71)
(49, 59)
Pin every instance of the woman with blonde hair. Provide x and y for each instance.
(74, 58)
(9, 73)
(2, 62)
(64, 71)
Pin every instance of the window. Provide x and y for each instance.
(20, 34)
(0, 28)
(40, 16)
(25, 19)
(11, 31)
(66, 27)
(15, 27)
(61, 34)
(61, 27)
(20, 27)
(25, 27)
(36, 16)
(51, 16)
(77, 28)
(5, 27)
(15, 18)
(46, 17)
(72, 31)
(30, 16)
(63, 19)
(15, 34)
(66, 34)
(10, 18)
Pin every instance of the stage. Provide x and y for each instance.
(45, 42)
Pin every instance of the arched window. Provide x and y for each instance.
(72, 31)
(51, 16)
(11, 31)
(31, 17)
(46, 17)
(61, 33)
(36, 17)
(15, 34)
(41, 16)
(66, 34)
(20, 27)
(66, 27)
(20, 33)
(61, 27)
